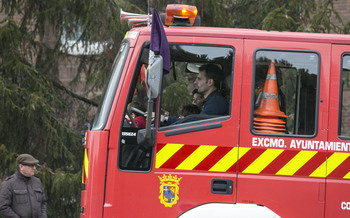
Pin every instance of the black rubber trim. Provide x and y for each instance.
(193, 129)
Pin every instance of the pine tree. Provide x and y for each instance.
(38, 113)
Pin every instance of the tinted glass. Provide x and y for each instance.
(285, 92)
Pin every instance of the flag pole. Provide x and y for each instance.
(148, 19)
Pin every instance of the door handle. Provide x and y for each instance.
(222, 186)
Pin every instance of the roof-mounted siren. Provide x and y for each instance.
(181, 15)
(135, 20)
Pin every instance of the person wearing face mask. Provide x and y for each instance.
(22, 194)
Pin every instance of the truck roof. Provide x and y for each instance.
(238, 33)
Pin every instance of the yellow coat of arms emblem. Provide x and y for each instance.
(169, 190)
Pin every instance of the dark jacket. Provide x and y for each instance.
(215, 104)
(22, 196)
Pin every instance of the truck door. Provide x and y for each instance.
(284, 128)
(190, 162)
(200, 148)
(338, 171)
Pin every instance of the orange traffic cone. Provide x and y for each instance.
(268, 115)
(269, 119)
(258, 124)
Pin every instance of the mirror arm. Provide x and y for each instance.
(146, 137)
(150, 107)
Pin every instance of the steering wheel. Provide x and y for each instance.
(135, 110)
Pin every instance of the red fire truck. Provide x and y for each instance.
(281, 150)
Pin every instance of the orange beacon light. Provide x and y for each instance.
(181, 12)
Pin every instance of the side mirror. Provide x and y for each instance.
(154, 78)
(146, 137)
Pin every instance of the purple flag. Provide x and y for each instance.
(159, 42)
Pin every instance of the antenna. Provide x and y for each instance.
(148, 19)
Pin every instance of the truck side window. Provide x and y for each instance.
(344, 123)
(285, 92)
(133, 156)
(182, 100)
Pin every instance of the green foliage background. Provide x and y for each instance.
(41, 116)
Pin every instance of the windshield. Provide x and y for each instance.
(108, 95)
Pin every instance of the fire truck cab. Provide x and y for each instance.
(281, 149)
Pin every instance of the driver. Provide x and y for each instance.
(139, 119)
